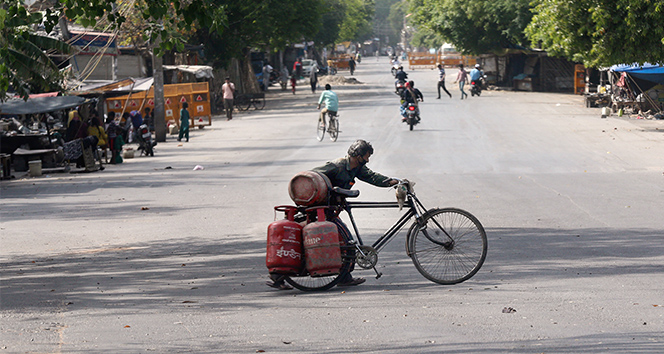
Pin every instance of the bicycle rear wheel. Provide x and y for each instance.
(308, 283)
(334, 128)
(320, 133)
(450, 246)
(241, 102)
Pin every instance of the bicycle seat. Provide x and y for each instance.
(346, 192)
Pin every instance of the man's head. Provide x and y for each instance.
(360, 150)
(440, 66)
(477, 66)
(185, 105)
(228, 79)
(328, 87)
(411, 83)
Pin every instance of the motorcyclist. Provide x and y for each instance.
(476, 74)
(410, 95)
(400, 76)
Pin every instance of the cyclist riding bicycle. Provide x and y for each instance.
(331, 101)
(342, 173)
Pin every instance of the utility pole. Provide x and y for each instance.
(159, 111)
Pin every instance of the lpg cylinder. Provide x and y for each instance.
(284, 243)
(322, 252)
(309, 188)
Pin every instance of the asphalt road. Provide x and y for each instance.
(153, 256)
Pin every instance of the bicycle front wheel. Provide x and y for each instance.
(449, 246)
(320, 133)
(334, 128)
(259, 103)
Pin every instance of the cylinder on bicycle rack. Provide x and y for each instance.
(309, 188)
(284, 243)
(322, 251)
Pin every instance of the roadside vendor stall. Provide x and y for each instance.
(32, 131)
(638, 88)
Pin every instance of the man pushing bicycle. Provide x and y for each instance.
(342, 173)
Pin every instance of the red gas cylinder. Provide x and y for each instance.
(309, 188)
(284, 244)
(322, 253)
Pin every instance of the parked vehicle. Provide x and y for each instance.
(307, 66)
(144, 138)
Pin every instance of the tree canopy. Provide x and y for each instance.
(24, 63)
(600, 33)
(475, 27)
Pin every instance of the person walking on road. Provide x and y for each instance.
(293, 81)
(441, 81)
(184, 122)
(228, 91)
(462, 79)
(313, 79)
(266, 76)
(284, 78)
(351, 65)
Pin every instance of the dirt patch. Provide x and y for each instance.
(338, 80)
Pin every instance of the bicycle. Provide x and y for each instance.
(332, 128)
(447, 246)
(244, 101)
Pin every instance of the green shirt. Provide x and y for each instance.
(340, 174)
(184, 118)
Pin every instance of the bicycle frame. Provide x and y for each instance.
(415, 209)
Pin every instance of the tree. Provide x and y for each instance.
(332, 15)
(382, 24)
(259, 24)
(475, 27)
(356, 25)
(600, 33)
(24, 63)
(164, 19)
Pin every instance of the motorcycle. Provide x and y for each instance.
(399, 87)
(395, 69)
(144, 138)
(476, 86)
(412, 115)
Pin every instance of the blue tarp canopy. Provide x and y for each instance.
(647, 71)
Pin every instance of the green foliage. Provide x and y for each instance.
(356, 25)
(259, 24)
(332, 15)
(477, 26)
(398, 12)
(382, 23)
(23, 62)
(600, 33)
(162, 18)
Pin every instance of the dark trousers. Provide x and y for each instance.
(345, 234)
(442, 84)
(228, 104)
(184, 132)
